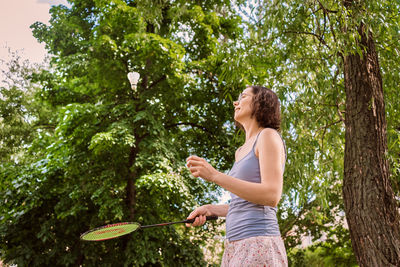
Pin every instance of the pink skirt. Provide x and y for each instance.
(255, 251)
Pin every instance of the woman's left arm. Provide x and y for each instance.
(268, 192)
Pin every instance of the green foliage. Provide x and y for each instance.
(335, 250)
(118, 154)
(22, 117)
(322, 255)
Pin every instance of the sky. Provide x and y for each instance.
(16, 16)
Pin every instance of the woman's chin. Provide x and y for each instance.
(237, 119)
(237, 116)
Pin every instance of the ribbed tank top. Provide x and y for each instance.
(246, 219)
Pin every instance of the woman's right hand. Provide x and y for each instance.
(200, 214)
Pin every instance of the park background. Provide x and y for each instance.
(79, 148)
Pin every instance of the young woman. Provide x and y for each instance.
(255, 183)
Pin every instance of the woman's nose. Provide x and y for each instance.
(235, 103)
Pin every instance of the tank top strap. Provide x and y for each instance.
(255, 142)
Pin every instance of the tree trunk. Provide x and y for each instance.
(130, 186)
(371, 210)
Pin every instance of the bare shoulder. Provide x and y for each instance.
(270, 140)
(270, 135)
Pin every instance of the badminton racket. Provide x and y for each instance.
(115, 230)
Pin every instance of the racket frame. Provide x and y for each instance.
(82, 237)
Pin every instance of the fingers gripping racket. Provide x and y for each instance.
(111, 231)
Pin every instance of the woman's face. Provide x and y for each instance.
(243, 106)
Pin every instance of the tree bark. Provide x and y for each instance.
(371, 210)
(130, 186)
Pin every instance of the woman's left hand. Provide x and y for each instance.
(199, 167)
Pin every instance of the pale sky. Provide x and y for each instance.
(15, 18)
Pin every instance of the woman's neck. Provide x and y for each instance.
(251, 130)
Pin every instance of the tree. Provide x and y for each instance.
(327, 51)
(118, 154)
(371, 209)
(22, 118)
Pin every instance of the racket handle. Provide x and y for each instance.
(208, 218)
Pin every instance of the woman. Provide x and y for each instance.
(255, 183)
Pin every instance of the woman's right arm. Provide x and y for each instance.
(207, 210)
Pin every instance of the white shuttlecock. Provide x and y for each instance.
(133, 78)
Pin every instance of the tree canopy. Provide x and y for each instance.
(117, 154)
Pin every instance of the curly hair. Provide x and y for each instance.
(266, 108)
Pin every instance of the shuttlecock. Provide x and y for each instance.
(133, 78)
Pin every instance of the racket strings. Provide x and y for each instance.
(110, 231)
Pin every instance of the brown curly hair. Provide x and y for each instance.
(266, 108)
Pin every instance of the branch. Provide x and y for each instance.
(145, 78)
(328, 125)
(313, 34)
(44, 126)
(326, 12)
(286, 230)
(340, 113)
(325, 9)
(162, 78)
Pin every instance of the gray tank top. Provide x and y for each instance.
(246, 219)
